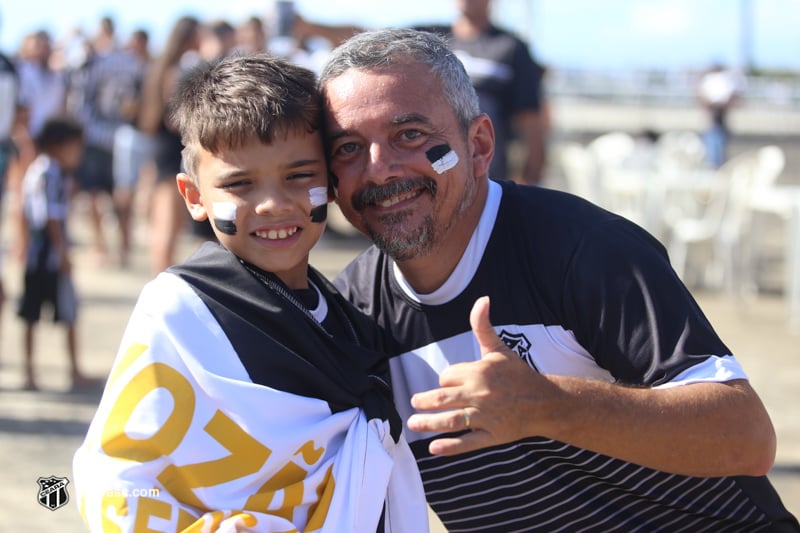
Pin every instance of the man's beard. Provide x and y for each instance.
(395, 239)
(400, 244)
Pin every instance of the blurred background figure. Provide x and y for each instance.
(509, 86)
(9, 94)
(718, 90)
(132, 149)
(217, 39)
(251, 37)
(105, 40)
(48, 266)
(42, 95)
(106, 90)
(167, 214)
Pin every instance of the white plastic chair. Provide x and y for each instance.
(716, 229)
(579, 168)
(764, 248)
(680, 150)
(619, 188)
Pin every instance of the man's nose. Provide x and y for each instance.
(381, 162)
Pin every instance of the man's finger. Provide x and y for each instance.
(482, 328)
(467, 442)
(434, 399)
(444, 422)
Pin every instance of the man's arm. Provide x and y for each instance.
(531, 128)
(704, 429)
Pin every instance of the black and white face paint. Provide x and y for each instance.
(224, 214)
(442, 158)
(318, 196)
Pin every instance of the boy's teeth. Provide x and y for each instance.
(276, 234)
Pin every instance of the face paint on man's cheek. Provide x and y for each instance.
(442, 158)
(224, 214)
(318, 196)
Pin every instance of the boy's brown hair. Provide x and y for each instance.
(226, 103)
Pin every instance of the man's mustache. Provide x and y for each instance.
(373, 194)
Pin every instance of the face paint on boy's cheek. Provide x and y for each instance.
(318, 196)
(442, 158)
(224, 214)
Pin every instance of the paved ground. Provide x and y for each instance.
(40, 431)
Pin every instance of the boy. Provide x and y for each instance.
(45, 197)
(244, 395)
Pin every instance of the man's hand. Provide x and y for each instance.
(495, 398)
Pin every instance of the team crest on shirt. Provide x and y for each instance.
(53, 492)
(519, 343)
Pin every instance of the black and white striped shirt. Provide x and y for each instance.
(577, 291)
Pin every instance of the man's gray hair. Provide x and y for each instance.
(374, 50)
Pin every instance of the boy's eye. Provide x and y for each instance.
(301, 175)
(233, 184)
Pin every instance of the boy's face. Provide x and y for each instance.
(257, 198)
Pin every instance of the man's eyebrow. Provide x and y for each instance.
(410, 118)
(399, 120)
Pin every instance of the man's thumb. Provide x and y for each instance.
(482, 327)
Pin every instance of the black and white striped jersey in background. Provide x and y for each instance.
(577, 291)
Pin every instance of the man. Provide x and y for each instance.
(620, 410)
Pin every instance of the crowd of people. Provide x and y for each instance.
(116, 89)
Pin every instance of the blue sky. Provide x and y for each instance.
(607, 34)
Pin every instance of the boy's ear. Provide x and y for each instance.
(191, 195)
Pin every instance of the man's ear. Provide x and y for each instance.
(481, 141)
(191, 195)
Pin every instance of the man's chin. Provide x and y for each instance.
(401, 243)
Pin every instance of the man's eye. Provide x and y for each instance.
(410, 135)
(346, 149)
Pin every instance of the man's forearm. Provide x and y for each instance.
(705, 429)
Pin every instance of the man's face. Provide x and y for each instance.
(381, 127)
(259, 203)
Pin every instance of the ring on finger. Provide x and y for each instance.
(466, 418)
